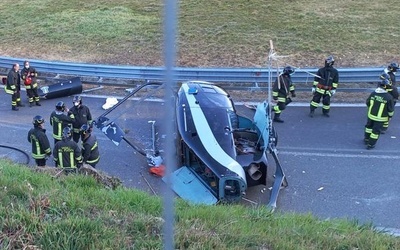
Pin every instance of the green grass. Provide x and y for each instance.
(210, 33)
(75, 212)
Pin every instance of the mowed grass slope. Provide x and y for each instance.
(233, 33)
(38, 211)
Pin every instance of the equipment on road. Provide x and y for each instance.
(63, 88)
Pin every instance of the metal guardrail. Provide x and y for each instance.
(230, 75)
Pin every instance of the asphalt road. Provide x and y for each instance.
(330, 173)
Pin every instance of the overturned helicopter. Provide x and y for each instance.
(220, 153)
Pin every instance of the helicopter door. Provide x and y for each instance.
(187, 185)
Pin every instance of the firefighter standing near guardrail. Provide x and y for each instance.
(13, 87)
(40, 143)
(59, 119)
(283, 86)
(390, 74)
(82, 116)
(325, 84)
(380, 109)
(29, 75)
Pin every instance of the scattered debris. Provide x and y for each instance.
(250, 201)
(110, 102)
(148, 184)
(321, 188)
(102, 178)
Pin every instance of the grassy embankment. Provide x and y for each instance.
(75, 212)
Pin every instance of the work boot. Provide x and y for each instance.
(38, 104)
(31, 104)
(326, 114)
(369, 146)
(19, 104)
(366, 141)
(277, 118)
(383, 131)
(14, 108)
(311, 113)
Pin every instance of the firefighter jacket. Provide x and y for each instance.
(13, 82)
(59, 120)
(40, 143)
(29, 75)
(326, 79)
(282, 87)
(82, 116)
(90, 150)
(380, 105)
(67, 154)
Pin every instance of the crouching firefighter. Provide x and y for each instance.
(90, 149)
(66, 153)
(380, 109)
(325, 84)
(283, 85)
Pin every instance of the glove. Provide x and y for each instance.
(293, 94)
(313, 90)
(333, 91)
(32, 74)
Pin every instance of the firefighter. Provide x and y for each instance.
(82, 116)
(390, 74)
(13, 87)
(325, 84)
(90, 149)
(67, 153)
(283, 85)
(29, 75)
(380, 109)
(60, 118)
(40, 143)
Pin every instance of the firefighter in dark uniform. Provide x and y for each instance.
(29, 75)
(283, 85)
(325, 84)
(90, 148)
(66, 153)
(13, 87)
(380, 109)
(40, 143)
(390, 74)
(82, 116)
(59, 119)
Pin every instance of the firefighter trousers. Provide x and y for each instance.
(326, 102)
(15, 99)
(280, 106)
(33, 95)
(372, 131)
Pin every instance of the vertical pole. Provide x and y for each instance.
(270, 55)
(170, 14)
